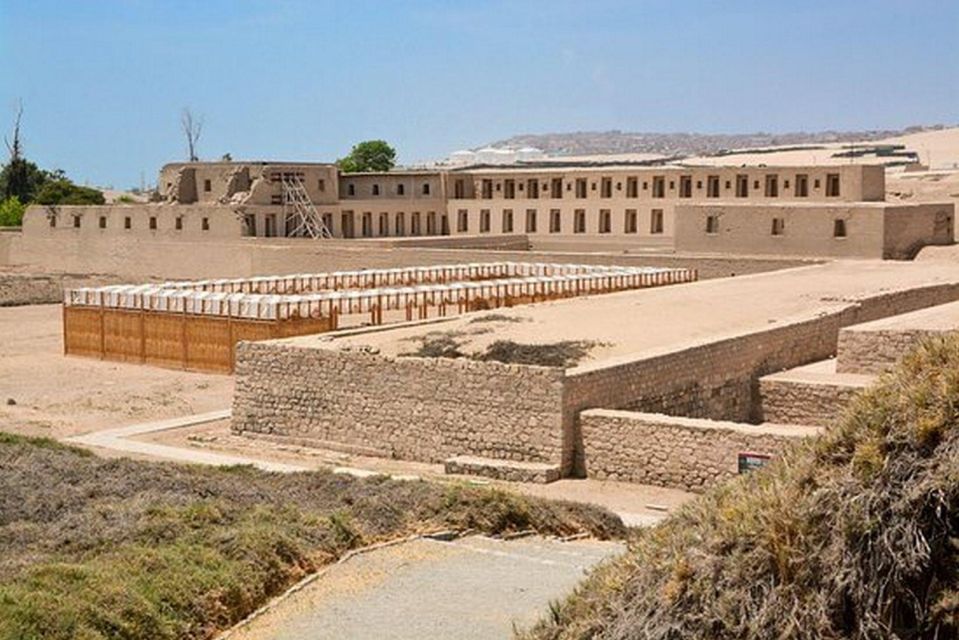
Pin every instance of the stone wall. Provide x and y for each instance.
(719, 380)
(795, 402)
(875, 351)
(667, 451)
(427, 409)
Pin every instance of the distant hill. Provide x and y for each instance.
(582, 143)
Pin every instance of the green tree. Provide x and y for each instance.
(63, 191)
(11, 212)
(370, 155)
(21, 179)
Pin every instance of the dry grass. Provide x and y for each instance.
(855, 535)
(567, 353)
(95, 548)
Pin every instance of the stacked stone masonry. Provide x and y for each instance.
(875, 351)
(793, 402)
(675, 452)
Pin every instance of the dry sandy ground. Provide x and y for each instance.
(57, 396)
(664, 319)
(937, 149)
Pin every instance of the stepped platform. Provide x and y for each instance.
(874, 347)
(814, 394)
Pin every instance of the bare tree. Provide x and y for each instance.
(15, 149)
(192, 128)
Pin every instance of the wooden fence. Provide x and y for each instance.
(173, 340)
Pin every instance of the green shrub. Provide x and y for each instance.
(11, 212)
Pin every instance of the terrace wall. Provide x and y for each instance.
(425, 409)
(674, 452)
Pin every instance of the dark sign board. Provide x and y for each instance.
(751, 461)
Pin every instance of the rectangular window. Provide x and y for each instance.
(606, 190)
(270, 222)
(459, 189)
(712, 186)
(532, 188)
(772, 186)
(415, 223)
(555, 221)
(205, 224)
(127, 223)
(802, 185)
(580, 187)
(178, 223)
(462, 221)
(685, 186)
(632, 188)
(431, 223)
(742, 186)
(426, 188)
(103, 222)
(630, 226)
(153, 223)
(832, 185)
(531, 221)
(384, 224)
(376, 190)
(779, 226)
(76, 222)
(507, 221)
(487, 189)
(321, 185)
(484, 221)
(659, 187)
(839, 228)
(400, 224)
(656, 221)
(351, 189)
(207, 185)
(509, 189)
(556, 188)
(346, 224)
(579, 221)
(400, 189)
(366, 225)
(605, 221)
(712, 224)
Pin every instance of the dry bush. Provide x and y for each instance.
(95, 548)
(437, 345)
(853, 535)
(558, 354)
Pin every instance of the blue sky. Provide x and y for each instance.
(103, 81)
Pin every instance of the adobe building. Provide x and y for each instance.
(814, 211)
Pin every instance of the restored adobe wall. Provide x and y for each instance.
(907, 229)
(795, 402)
(680, 453)
(159, 256)
(425, 409)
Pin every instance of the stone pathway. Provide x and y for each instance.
(470, 589)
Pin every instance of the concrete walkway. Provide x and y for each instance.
(467, 589)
